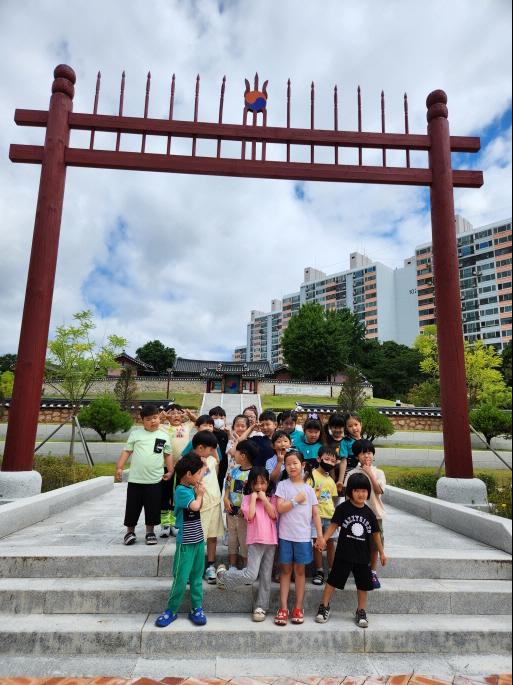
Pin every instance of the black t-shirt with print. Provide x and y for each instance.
(356, 528)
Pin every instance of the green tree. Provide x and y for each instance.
(7, 362)
(391, 368)
(374, 424)
(157, 354)
(75, 360)
(425, 394)
(318, 343)
(490, 421)
(506, 363)
(6, 385)
(126, 388)
(352, 394)
(104, 415)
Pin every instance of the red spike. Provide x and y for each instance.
(146, 103)
(335, 118)
(171, 108)
(383, 124)
(196, 104)
(221, 105)
(406, 127)
(360, 152)
(121, 103)
(312, 119)
(264, 144)
(256, 81)
(95, 106)
(288, 116)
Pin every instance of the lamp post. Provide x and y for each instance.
(169, 371)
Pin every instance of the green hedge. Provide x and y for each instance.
(57, 472)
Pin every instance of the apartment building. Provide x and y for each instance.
(485, 280)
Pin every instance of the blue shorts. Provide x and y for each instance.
(295, 552)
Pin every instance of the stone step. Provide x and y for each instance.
(137, 595)
(236, 634)
(61, 561)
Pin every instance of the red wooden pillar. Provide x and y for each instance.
(457, 445)
(26, 397)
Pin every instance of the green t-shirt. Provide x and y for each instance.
(147, 460)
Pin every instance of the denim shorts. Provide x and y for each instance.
(325, 523)
(295, 552)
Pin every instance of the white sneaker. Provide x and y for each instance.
(210, 575)
(259, 615)
(221, 570)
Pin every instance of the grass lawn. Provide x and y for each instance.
(289, 401)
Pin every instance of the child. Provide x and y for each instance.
(148, 447)
(326, 492)
(179, 427)
(267, 425)
(364, 451)
(218, 414)
(275, 465)
(202, 423)
(204, 444)
(251, 412)
(259, 509)
(287, 421)
(233, 495)
(297, 506)
(335, 431)
(311, 440)
(353, 432)
(358, 526)
(240, 424)
(190, 544)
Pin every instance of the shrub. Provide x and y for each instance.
(374, 424)
(57, 472)
(104, 415)
(423, 483)
(490, 421)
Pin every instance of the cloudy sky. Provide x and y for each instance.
(185, 258)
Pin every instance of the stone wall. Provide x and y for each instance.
(302, 388)
(145, 384)
(401, 423)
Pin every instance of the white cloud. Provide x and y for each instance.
(199, 253)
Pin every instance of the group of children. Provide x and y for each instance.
(287, 494)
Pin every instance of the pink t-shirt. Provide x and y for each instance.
(262, 529)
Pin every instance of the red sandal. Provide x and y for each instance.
(298, 616)
(282, 617)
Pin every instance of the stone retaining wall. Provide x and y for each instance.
(145, 384)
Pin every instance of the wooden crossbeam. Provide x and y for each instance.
(238, 132)
(295, 171)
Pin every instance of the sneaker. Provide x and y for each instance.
(259, 615)
(323, 614)
(165, 618)
(361, 618)
(165, 531)
(151, 539)
(318, 577)
(198, 617)
(221, 570)
(375, 581)
(129, 539)
(210, 575)
(174, 531)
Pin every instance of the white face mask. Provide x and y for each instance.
(219, 423)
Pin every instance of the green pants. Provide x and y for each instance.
(188, 564)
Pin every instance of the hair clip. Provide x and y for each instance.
(313, 416)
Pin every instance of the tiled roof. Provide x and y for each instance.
(140, 363)
(202, 367)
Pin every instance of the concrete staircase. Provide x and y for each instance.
(232, 404)
(68, 587)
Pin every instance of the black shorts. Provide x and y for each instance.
(342, 570)
(167, 492)
(139, 495)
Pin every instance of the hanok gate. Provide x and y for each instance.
(56, 155)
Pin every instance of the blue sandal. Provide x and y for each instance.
(165, 618)
(198, 617)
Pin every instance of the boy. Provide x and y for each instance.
(326, 492)
(190, 544)
(358, 526)
(245, 454)
(267, 424)
(275, 466)
(148, 447)
(179, 427)
(218, 415)
(364, 451)
(204, 444)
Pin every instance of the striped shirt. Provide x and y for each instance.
(188, 522)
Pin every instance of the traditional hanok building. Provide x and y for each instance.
(139, 368)
(223, 376)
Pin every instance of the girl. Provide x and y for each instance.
(240, 425)
(353, 432)
(297, 506)
(259, 509)
(275, 465)
(335, 432)
(309, 442)
(287, 421)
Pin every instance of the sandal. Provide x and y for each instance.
(129, 539)
(298, 616)
(282, 617)
(318, 578)
(151, 539)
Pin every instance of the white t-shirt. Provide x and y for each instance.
(296, 524)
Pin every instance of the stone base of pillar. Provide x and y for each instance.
(19, 484)
(470, 492)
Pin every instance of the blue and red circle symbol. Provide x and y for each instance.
(255, 101)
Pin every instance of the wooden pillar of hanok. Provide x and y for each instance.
(30, 364)
(453, 385)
